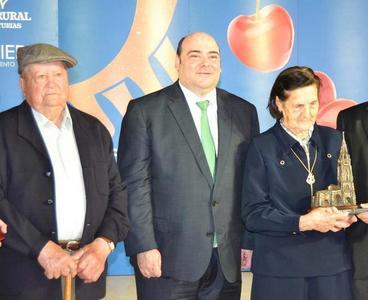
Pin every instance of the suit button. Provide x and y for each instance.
(50, 201)
(209, 234)
(48, 173)
(53, 233)
(214, 203)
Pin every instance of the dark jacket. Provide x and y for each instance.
(276, 195)
(174, 203)
(27, 202)
(354, 122)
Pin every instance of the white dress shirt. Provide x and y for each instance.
(70, 196)
(191, 99)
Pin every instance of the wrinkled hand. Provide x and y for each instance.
(92, 258)
(3, 229)
(324, 219)
(56, 262)
(246, 258)
(149, 263)
(363, 216)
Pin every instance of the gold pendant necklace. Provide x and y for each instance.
(310, 178)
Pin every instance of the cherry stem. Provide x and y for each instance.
(258, 3)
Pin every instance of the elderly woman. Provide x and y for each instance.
(298, 253)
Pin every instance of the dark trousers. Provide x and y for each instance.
(45, 292)
(360, 289)
(336, 287)
(211, 286)
(52, 291)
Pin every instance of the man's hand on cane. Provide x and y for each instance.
(92, 259)
(57, 262)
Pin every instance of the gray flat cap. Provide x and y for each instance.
(42, 53)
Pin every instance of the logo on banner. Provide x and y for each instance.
(8, 55)
(147, 38)
(13, 19)
(2, 3)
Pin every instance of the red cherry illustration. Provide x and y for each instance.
(327, 114)
(327, 90)
(262, 41)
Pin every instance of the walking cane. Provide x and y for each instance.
(70, 247)
(68, 287)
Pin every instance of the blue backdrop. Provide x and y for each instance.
(127, 48)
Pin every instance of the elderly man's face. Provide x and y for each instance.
(199, 64)
(45, 86)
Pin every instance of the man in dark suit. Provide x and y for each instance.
(354, 122)
(183, 163)
(59, 187)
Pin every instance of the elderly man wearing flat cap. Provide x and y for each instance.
(59, 187)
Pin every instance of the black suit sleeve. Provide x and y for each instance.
(248, 237)
(115, 223)
(255, 123)
(134, 161)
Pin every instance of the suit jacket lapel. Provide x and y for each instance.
(82, 137)
(27, 128)
(180, 110)
(33, 135)
(224, 133)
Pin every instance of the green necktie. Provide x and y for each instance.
(208, 144)
(206, 137)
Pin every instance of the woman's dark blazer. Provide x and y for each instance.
(276, 195)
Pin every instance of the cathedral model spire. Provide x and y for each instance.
(342, 195)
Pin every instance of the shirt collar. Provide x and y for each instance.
(66, 123)
(303, 142)
(193, 98)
